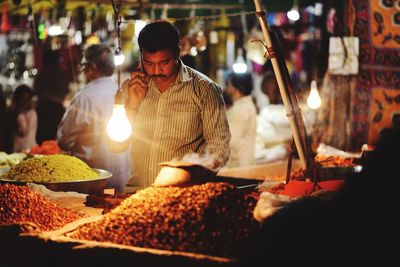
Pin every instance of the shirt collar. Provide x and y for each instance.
(246, 98)
(184, 74)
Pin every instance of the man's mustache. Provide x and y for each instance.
(158, 76)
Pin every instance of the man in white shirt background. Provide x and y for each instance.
(82, 130)
(242, 119)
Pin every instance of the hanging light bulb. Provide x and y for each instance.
(55, 30)
(193, 51)
(313, 99)
(119, 128)
(240, 65)
(293, 14)
(119, 58)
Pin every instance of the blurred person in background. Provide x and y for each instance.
(82, 130)
(274, 131)
(3, 124)
(269, 86)
(273, 128)
(274, 115)
(52, 86)
(23, 119)
(242, 118)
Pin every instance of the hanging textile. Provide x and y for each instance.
(357, 108)
(333, 122)
(376, 100)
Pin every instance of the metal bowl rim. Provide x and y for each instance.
(104, 174)
(354, 169)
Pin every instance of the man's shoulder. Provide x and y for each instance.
(83, 95)
(199, 76)
(189, 73)
(105, 84)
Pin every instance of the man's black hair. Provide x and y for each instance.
(158, 36)
(242, 81)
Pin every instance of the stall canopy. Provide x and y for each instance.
(174, 8)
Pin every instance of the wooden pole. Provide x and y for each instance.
(286, 90)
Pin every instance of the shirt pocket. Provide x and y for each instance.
(184, 123)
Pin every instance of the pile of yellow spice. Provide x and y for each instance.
(51, 168)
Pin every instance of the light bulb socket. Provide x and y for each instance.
(118, 99)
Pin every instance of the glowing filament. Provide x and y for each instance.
(119, 128)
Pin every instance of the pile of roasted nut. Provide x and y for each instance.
(211, 218)
(20, 204)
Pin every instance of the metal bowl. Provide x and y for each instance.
(3, 170)
(81, 186)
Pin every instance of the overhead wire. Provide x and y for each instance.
(200, 18)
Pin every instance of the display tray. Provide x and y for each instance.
(237, 181)
(57, 250)
(81, 186)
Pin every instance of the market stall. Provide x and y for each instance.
(75, 219)
(199, 225)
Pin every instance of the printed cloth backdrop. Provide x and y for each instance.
(375, 102)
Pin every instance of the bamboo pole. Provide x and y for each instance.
(286, 90)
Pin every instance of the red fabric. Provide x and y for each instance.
(373, 100)
(301, 188)
(5, 23)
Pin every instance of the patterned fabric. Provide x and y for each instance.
(188, 118)
(385, 23)
(385, 110)
(374, 98)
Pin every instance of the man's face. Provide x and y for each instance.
(160, 66)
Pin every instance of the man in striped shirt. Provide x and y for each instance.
(174, 109)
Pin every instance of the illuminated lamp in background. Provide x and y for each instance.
(240, 65)
(55, 30)
(119, 58)
(293, 14)
(213, 37)
(193, 51)
(313, 99)
(93, 39)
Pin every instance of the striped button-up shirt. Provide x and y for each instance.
(187, 118)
